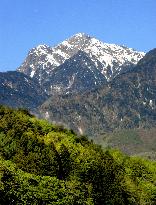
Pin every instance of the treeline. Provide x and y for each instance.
(41, 163)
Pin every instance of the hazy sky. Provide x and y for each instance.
(25, 24)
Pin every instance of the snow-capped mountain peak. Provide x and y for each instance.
(43, 60)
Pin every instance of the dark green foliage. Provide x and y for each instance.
(25, 111)
(45, 164)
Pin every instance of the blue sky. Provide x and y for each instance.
(25, 24)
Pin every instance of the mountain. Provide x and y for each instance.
(78, 64)
(128, 101)
(19, 90)
(43, 62)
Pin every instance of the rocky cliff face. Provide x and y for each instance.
(128, 101)
(77, 74)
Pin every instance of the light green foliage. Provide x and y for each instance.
(42, 163)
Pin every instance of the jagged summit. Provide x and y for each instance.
(82, 35)
(42, 60)
(76, 37)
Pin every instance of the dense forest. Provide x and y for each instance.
(41, 163)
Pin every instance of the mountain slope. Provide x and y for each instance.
(45, 164)
(76, 74)
(126, 102)
(19, 90)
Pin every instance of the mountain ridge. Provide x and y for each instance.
(109, 59)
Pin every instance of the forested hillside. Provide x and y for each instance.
(41, 163)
